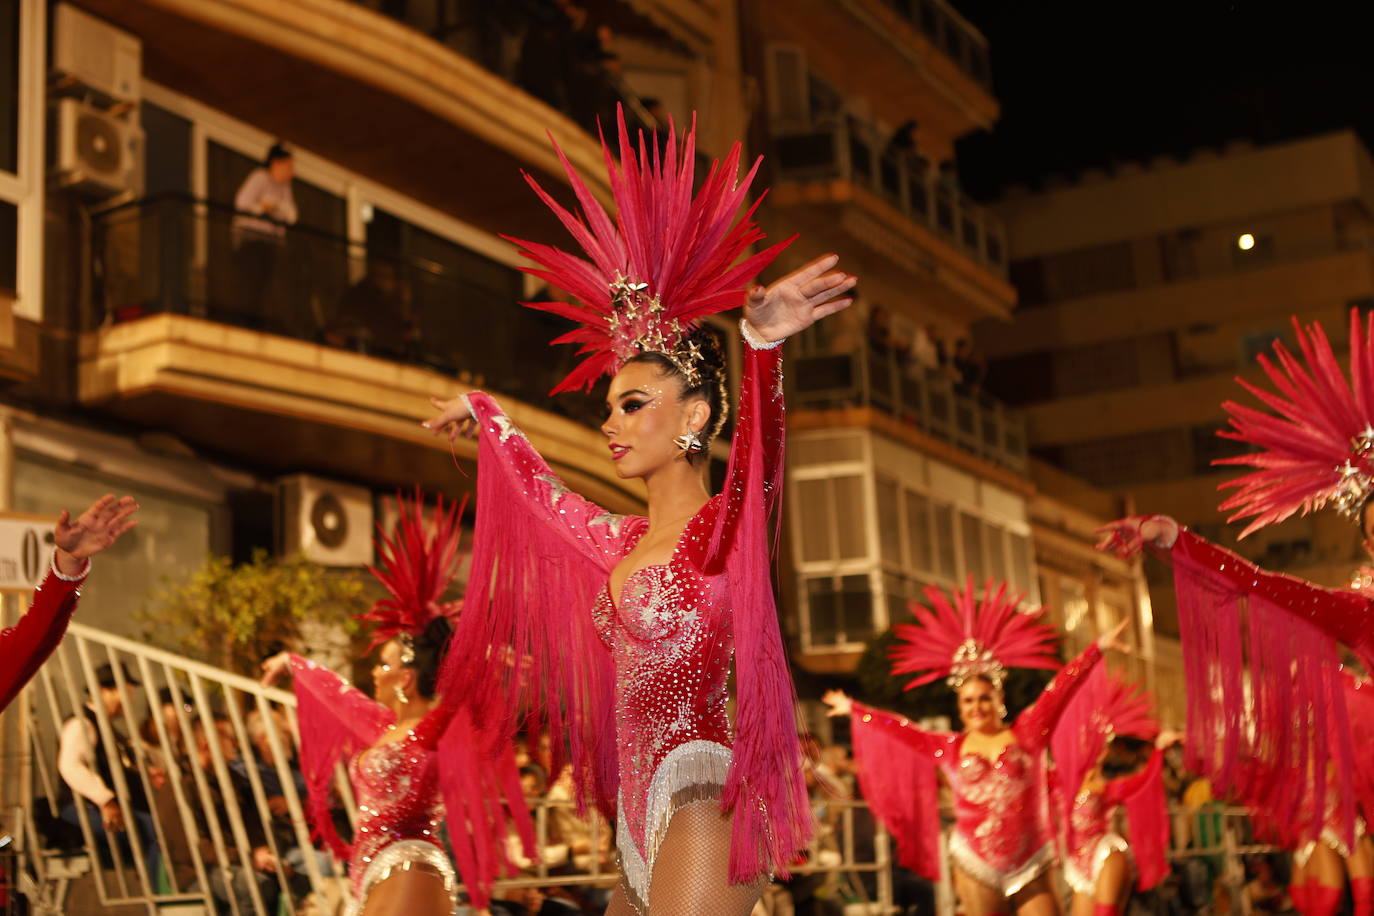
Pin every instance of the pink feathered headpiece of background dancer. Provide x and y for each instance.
(1318, 445)
(972, 637)
(667, 259)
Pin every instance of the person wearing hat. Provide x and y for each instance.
(87, 765)
(27, 645)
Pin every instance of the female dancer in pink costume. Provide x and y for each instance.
(397, 863)
(1002, 845)
(1099, 865)
(618, 631)
(1281, 707)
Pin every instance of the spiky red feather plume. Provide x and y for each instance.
(1317, 445)
(969, 636)
(685, 250)
(416, 567)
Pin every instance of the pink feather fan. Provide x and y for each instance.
(1318, 444)
(969, 636)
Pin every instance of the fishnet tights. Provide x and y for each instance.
(691, 870)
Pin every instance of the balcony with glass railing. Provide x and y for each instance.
(951, 33)
(201, 326)
(849, 150)
(925, 401)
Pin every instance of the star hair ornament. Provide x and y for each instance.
(969, 637)
(667, 260)
(1317, 447)
(416, 567)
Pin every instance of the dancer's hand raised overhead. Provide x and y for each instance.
(798, 300)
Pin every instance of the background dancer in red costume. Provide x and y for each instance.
(1264, 676)
(27, 645)
(394, 744)
(1100, 865)
(1002, 846)
(626, 626)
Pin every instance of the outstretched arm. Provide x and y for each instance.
(1036, 723)
(928, 743)
(588, 528)
(28, 644)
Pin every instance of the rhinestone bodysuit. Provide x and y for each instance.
(1089, 837)
(670, 633)
(400, 813)
(1001, 835)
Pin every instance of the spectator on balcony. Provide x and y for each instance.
(87, 769)
(879, 329)
(902, 143)
(376, 315)
(926, 349)
(969, 369)
(265, 207)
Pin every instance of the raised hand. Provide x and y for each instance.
(1113, 639)
(274, 667)
(1125, 537)
(453, 418)
(103, 522)
(799, 299)
(839, 702)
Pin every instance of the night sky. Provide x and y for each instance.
(1089, 84)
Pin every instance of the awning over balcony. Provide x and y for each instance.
(368, 93)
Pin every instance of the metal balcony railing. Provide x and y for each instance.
(930, 401)
(854, 151)
(951, 33)
(443, 307)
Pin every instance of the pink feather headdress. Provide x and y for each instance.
(972, 637)
(416, 567)
(667, 260)
(1127, 710)
(1318, 445)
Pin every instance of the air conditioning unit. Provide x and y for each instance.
(325, 521)
(97, 151)
(96, 54)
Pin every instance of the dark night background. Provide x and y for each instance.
(1088, 84)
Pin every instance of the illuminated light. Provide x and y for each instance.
(1245, 242)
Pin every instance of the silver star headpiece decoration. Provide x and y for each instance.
(1355, 485)
(637, 325)
(972, 659)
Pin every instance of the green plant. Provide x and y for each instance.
(234, 616)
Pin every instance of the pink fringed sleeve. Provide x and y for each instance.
(1266, 709)
(1037, 721)
(896, 760)
(336, 720)
(525, 650)
(1147, 819)
(765, 792)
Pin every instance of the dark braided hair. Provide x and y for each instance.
(429, 648)
(711, 384)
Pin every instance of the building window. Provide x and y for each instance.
(9, 247)
(839, 610)
(9, 86)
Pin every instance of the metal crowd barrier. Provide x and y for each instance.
(202, 845)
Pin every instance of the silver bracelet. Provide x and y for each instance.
(65, 578)
(756, 342)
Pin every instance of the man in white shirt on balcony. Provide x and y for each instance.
(87, 769)
(264, 207)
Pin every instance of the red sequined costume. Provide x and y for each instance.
(1089, 837)
(407, 790)
(27, 645)
(670, 636)
(1002, 836)
(396, 784)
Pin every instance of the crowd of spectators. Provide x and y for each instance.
(131, 802)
